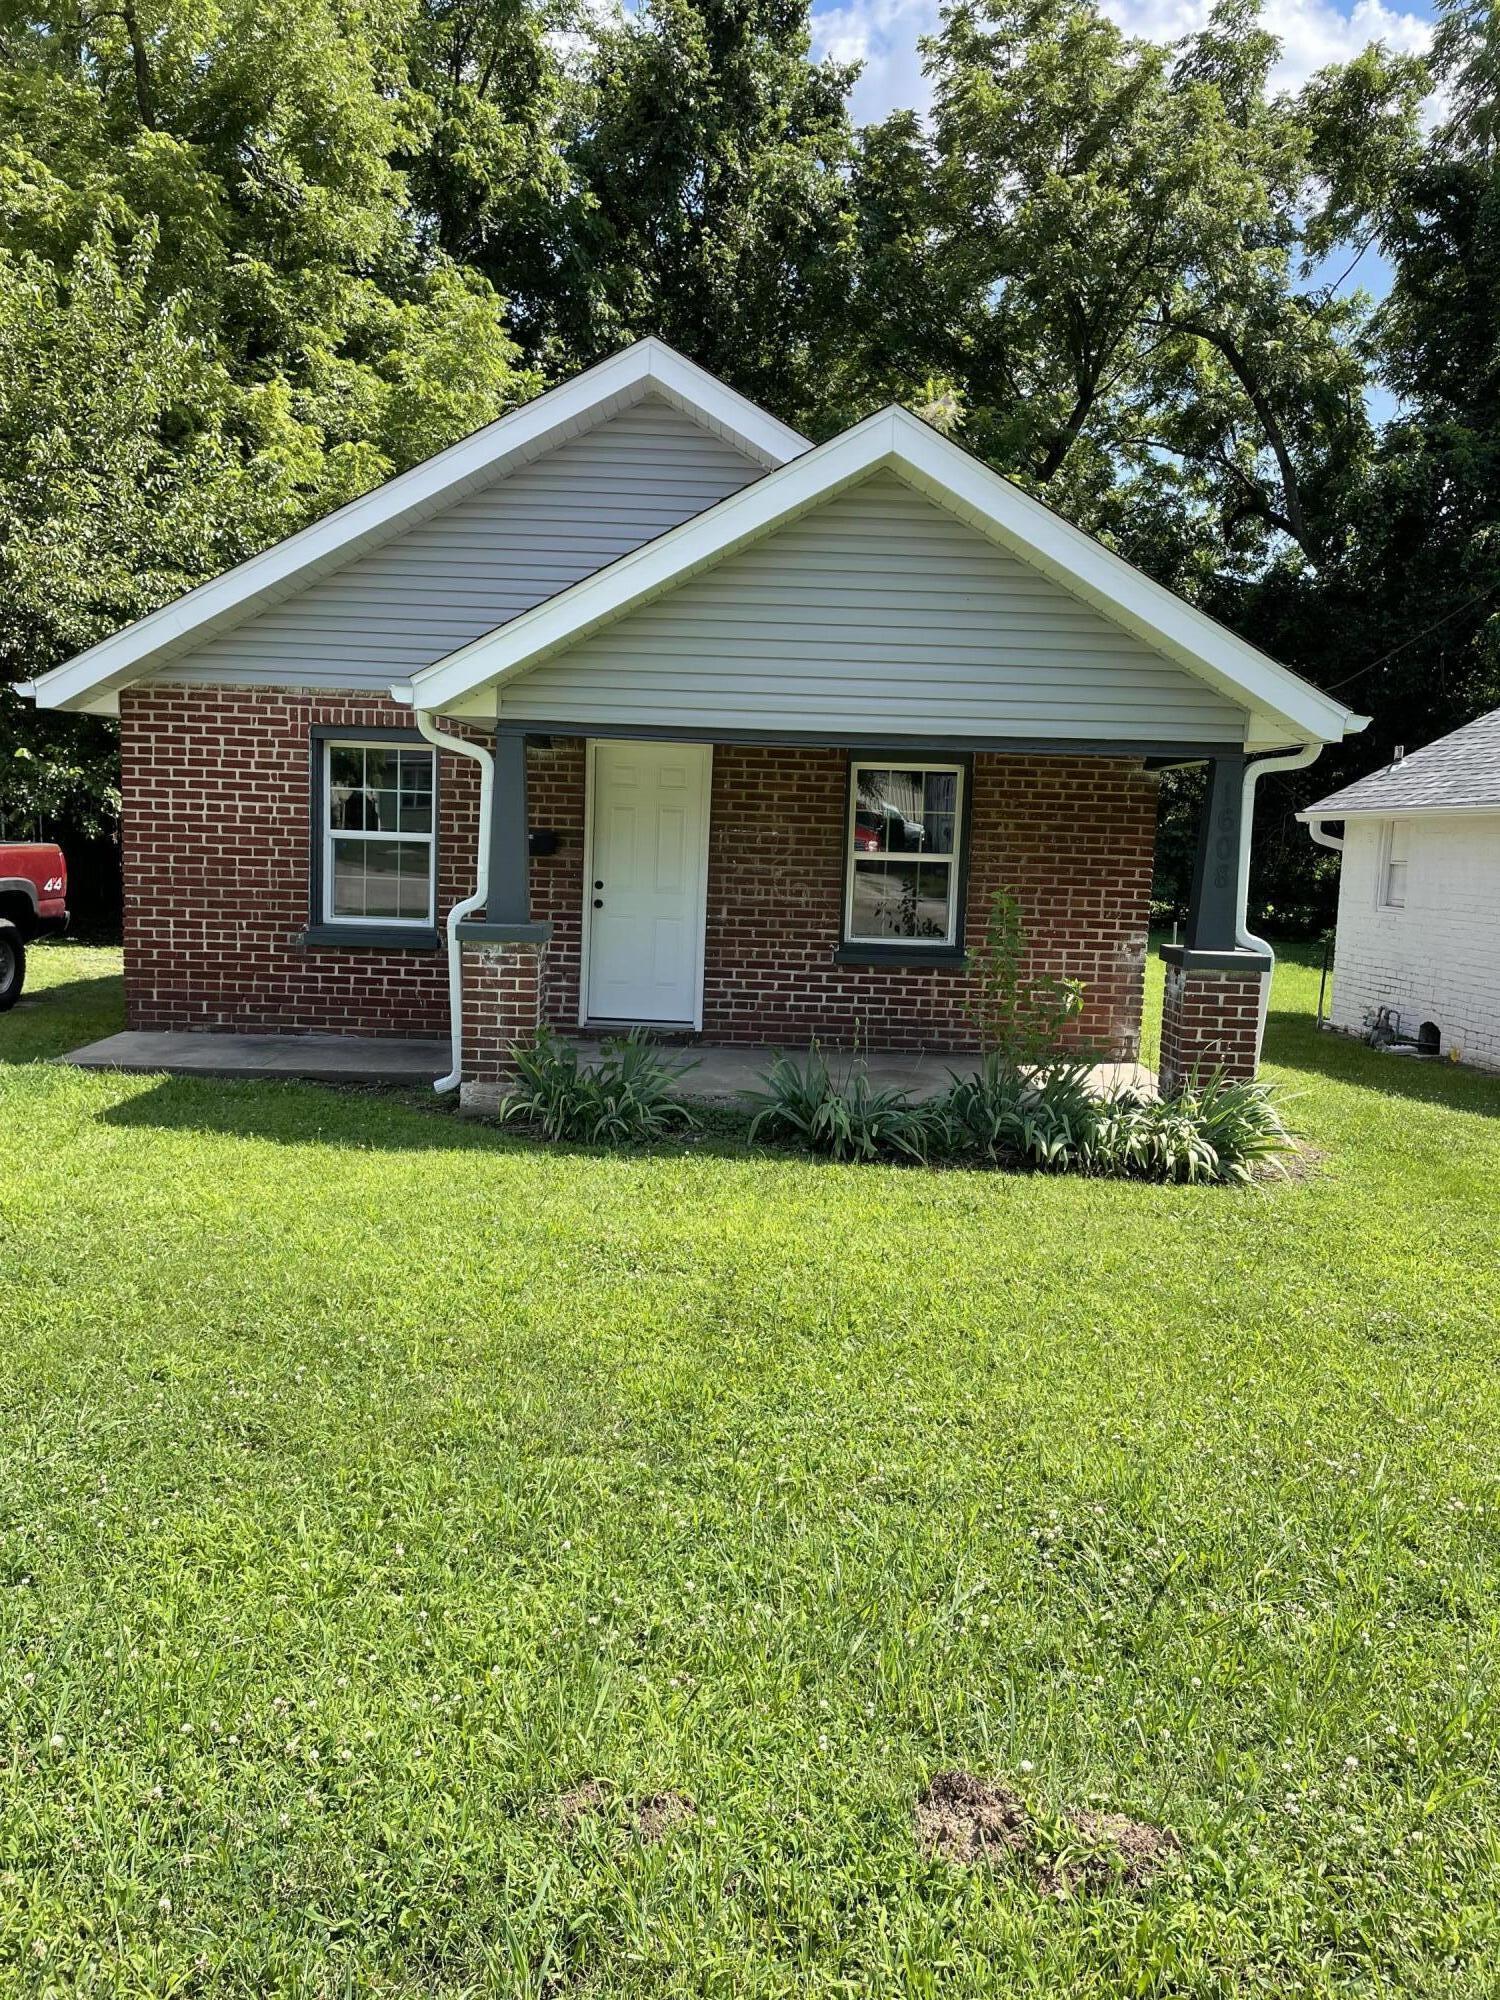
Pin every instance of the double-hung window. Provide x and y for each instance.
(902, 862)
(1393, 848)
(378, 849)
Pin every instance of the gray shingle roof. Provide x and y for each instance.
(1458, 770)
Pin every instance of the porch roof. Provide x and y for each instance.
(1275, 706)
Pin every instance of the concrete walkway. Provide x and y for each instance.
(321, 1058)
(719, 1073)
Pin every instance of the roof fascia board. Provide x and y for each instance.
(954, 479)
(90, 681)
(732, 416)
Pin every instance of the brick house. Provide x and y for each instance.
(1419, 894)
(649, 711)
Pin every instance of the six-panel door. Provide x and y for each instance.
(645, 885)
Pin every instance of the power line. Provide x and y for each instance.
(1436, 625)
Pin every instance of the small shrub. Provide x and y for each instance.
(1047, 1116)
(1238, 1121)
(1213, 1130)
(1054, 1117)
(1020, 1020)
(625, 1098)
(845, 1119)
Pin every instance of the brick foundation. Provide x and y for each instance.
(217, 841)
(1210, 1021)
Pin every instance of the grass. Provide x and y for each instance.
(369, 1479)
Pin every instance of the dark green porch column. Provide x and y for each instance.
(509, 900)
(1214, 908)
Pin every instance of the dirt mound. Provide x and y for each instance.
(657, 1813)
(1129, 1851)
(965, 1819)
(578, 1802)
(649, 1817)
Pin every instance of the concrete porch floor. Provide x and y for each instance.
(723, 1071)
(315, 1058)
(720, 1073)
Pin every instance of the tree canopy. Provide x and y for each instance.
(255, 256)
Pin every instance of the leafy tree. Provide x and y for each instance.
(707, 161)
(1111, 271)
(220, 316)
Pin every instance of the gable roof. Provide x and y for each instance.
(1458, 773)
(1283, 707)
(91, 681)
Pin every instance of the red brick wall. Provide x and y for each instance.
(216, 835)
(1072, 837)
(1209, 1021)
(502, 993)
(554, 796)
(216, 852)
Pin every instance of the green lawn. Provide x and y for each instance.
(370, 1478)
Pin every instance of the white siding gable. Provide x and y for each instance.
(877, 610)
(492, 554)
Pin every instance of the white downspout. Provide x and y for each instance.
(1244, 937)
(469, 904)
(1334, 840)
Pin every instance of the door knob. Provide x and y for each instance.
(598, 902)
(598, 885)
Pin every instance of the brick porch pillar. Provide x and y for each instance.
(1210, 1016)
(502, 1005)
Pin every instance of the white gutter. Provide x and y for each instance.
(469, 904)
(1244, 937)
(1316, 828)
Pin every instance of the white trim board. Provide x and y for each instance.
(1282, 707)
(1316, 815)
(90, 683)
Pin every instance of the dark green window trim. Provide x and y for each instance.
(370, 937)
(945, 955)
(319, 934)
(906, 951)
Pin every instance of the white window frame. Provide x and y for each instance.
(329, 833)
(952, 862)
(1384, 900)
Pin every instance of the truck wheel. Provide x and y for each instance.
(12, 965)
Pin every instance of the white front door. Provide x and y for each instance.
(645, 888)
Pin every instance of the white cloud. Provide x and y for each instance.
(883, 34)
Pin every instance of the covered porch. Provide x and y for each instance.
(783, 853)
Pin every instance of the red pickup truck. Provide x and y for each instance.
(33, 903)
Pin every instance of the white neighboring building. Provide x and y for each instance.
(1419, 895)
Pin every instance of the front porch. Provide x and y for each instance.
(720, 1074)
(786, 901)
